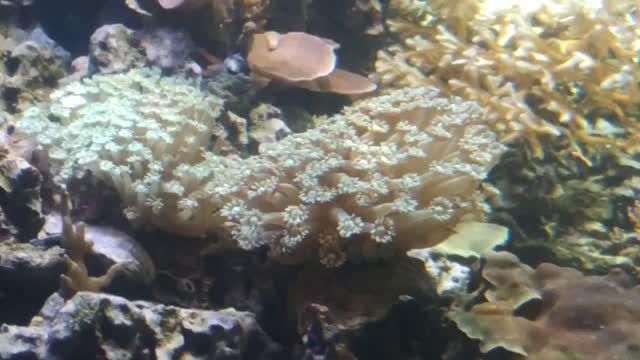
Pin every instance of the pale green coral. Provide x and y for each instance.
(128, 129)
(400, 169)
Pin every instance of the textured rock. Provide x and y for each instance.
(28, 275)
(238, 91)
(27, 266)
(91, 325)
(38, 59)
(33, 66)
(79, 69)
(20, 186)
(114, 48)
(20, 343)
(334, 306)
(25, 263)
(169, 49)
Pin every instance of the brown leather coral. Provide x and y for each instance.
(303, 60)
(291, 57)
(569, 315)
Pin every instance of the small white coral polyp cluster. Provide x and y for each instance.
(400, 169)
(127, 129)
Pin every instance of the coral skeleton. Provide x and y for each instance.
(400, 169)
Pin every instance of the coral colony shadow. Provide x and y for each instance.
(308, 179)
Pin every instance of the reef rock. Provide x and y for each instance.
(91, 326)
(115, 48)
(334, 307)
(20, 185)
(28, 275)
(34, 64)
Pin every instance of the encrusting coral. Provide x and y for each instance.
(564, 68)
(400, 169)
(574, 316)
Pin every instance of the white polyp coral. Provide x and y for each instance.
(126, 120)
(382, 230)
(398, 170)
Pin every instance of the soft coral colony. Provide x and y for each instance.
(563, 68)
(399, 170)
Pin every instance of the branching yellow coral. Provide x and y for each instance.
(567, 69)
(77, 247)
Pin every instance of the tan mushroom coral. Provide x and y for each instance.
(340, 82)
(165, 4)
(292, 57)
(170, 4)
(303, 60)
(246, 4)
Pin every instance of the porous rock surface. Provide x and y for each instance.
(92, 326)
